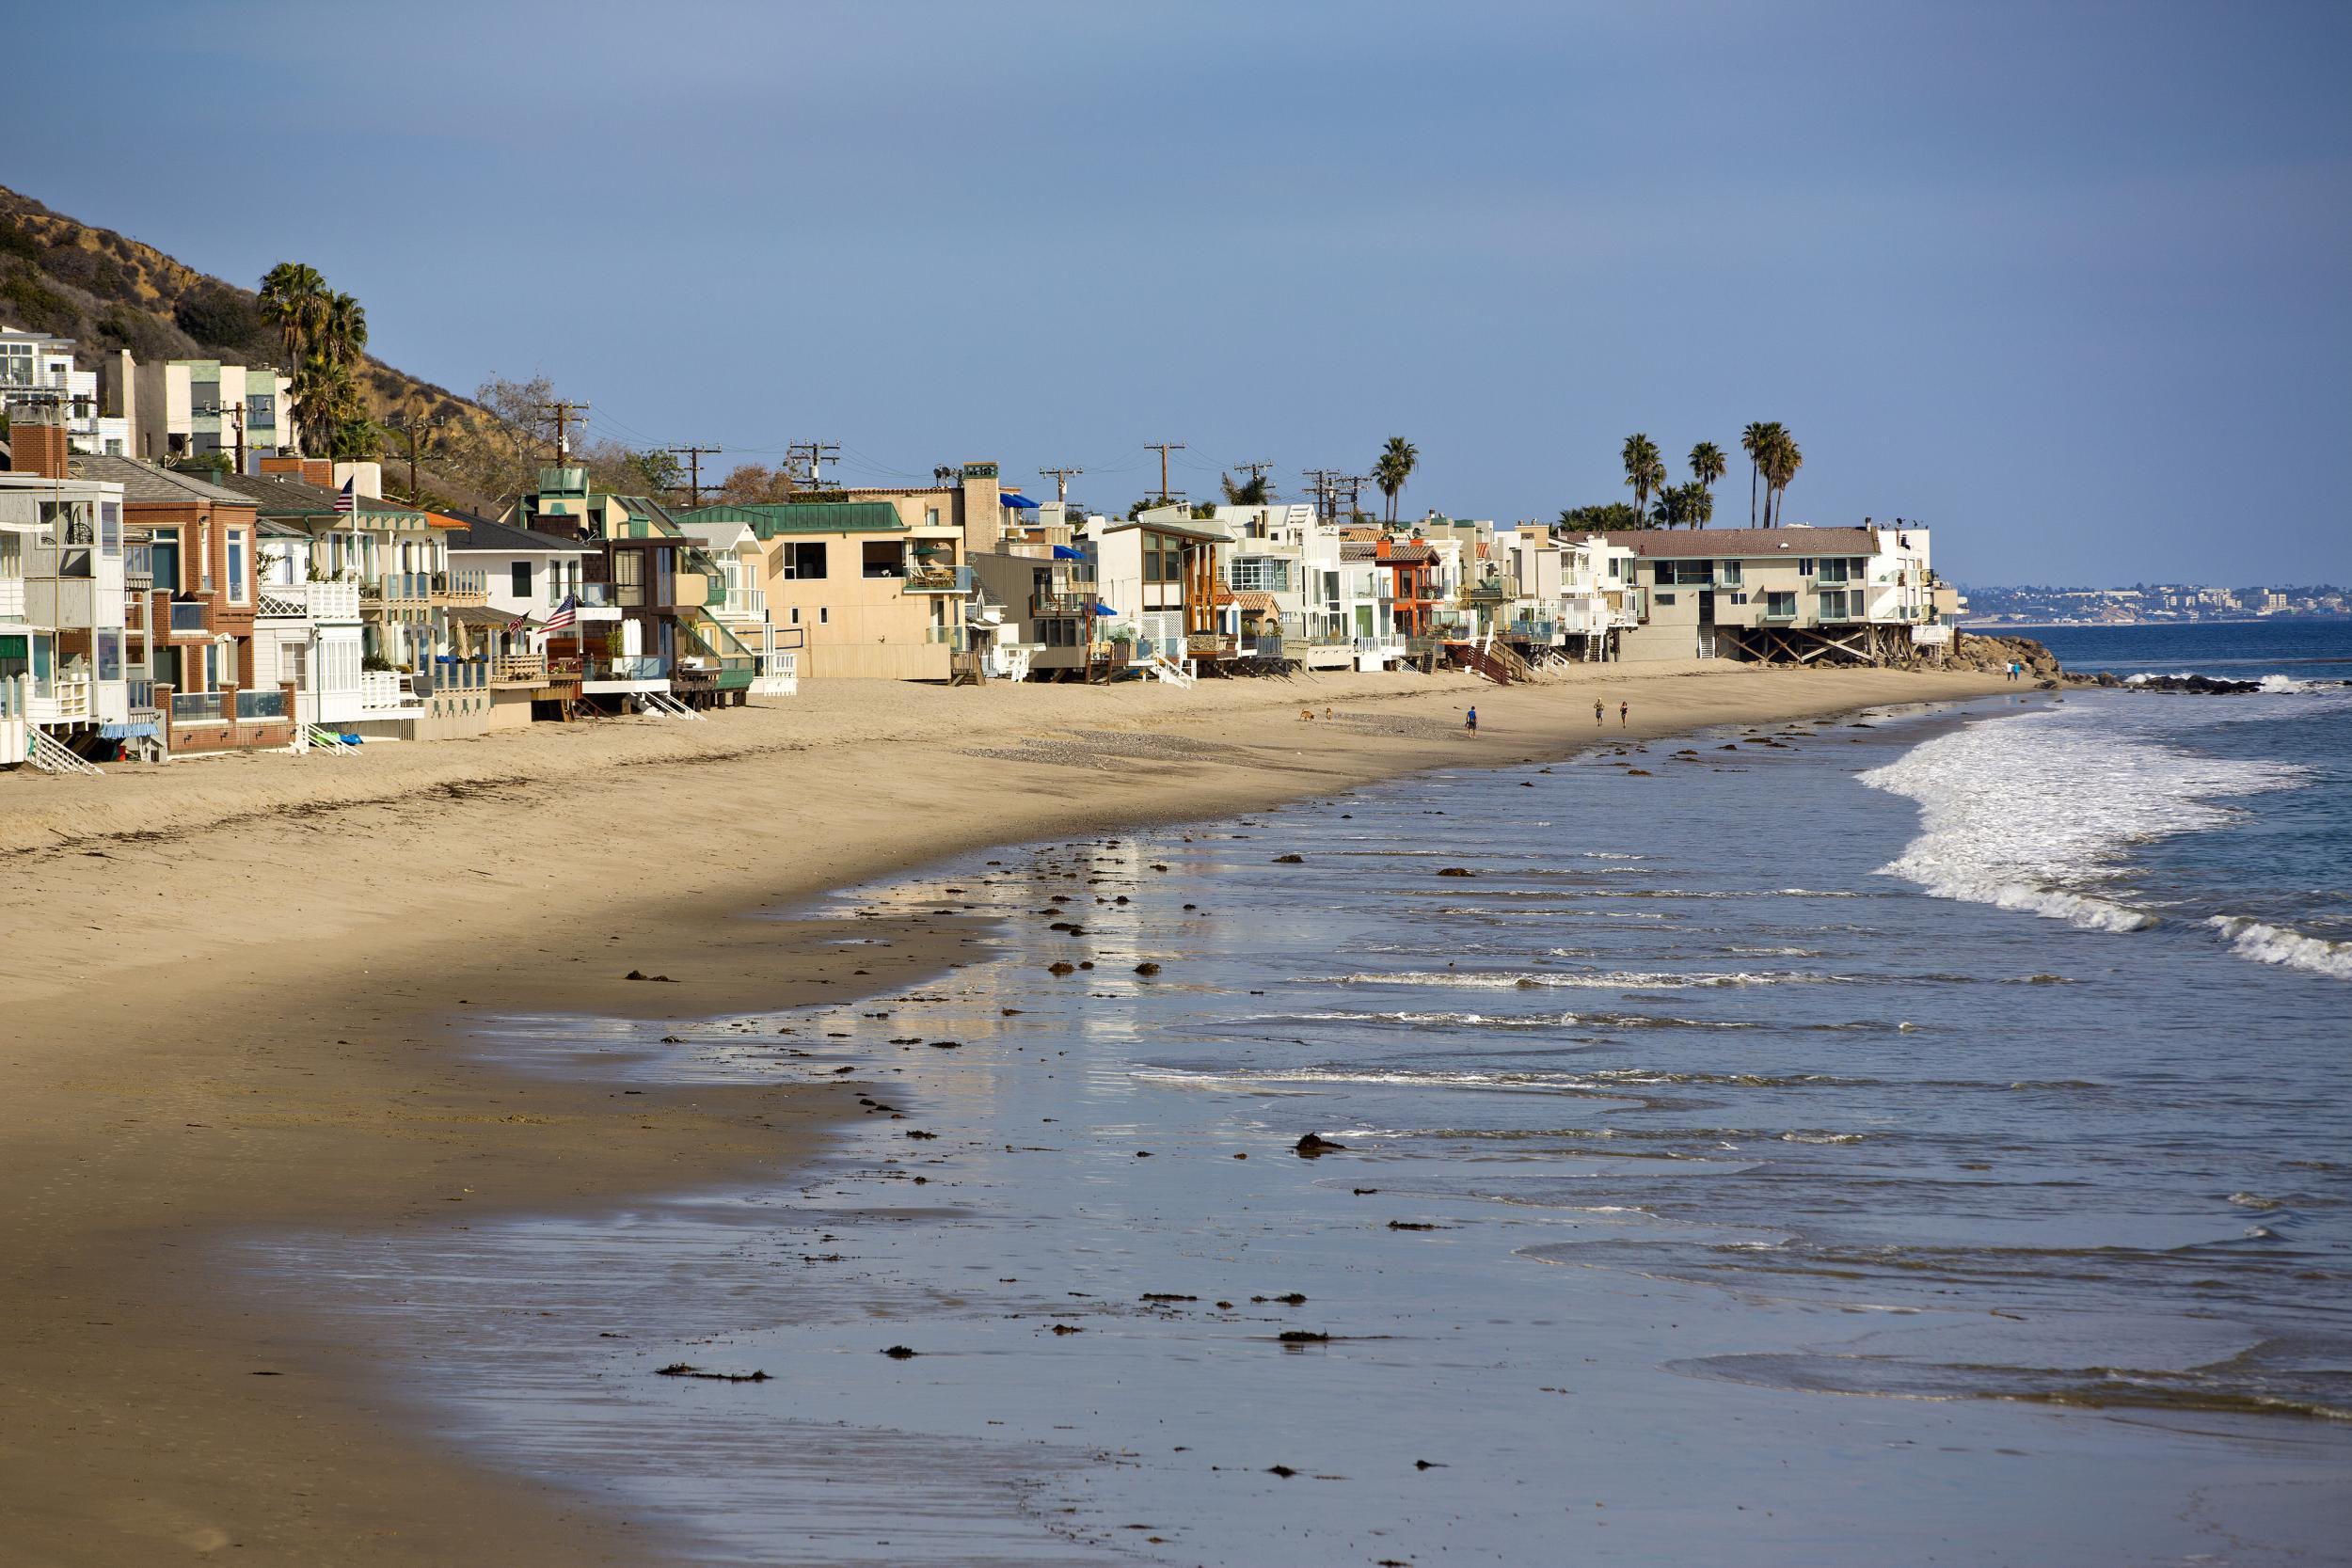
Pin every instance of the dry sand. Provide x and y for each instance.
(234, 993)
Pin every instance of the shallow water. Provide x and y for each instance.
(1710, 1193)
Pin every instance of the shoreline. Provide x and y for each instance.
(173, 1077)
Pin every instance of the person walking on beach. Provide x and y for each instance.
(1470, 723)
(1599, 713)
(1623, 709)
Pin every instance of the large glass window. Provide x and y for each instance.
(239, 590)
(110, 529)
(629, 578)
(519, 580)
(803, 559)
(165, 555)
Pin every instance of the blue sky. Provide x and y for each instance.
(2066, 281)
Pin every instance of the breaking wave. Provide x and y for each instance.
(2033, 812)
(1540, 981)
(2280, 944)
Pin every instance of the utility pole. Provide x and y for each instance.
(694, 456)
(1061, 478)
(1164, 448)
(236, 412)
(1256, 471)
(565, 410)
(410, 426)
(1325, 484)
(814, 452)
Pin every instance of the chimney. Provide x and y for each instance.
(37, 439)
(1381, 550)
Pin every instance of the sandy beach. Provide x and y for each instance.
(238, 1005)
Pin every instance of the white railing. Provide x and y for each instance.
(320, 601)
(67, 699)
(779, 674)
(385, 691)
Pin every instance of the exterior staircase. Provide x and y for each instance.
(51, 755)
(1168, 673)
(663, 705)
(1470, 656)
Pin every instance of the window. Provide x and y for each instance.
(801, 560)
(1617, 567)
(519, 580)
(1696, 574)
(883, 559)
(1833, 569)
(293, 664)
(239, 591)
(824, 616)
(110, 529)
(1057, 633)
(165, 557)
(109, 656)
(1780, 607)
(1666, 598)
(796, 615)
(260, 408)
(1728, 573)
(931, 516)
(1838, 602)
(629, 578)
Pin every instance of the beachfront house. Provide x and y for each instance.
(1786, 596)
(1157, 573)
(38, 369)
(67, 692)
(526, 578)
(201, 608)
(859, 589)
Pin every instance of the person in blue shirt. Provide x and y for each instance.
(1471, 722)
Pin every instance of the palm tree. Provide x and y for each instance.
(1707, 466)
(326, 399)
(343, 328)
(1254, 491)
(1782, 460)
(1753, 441)
(1699, 502)
(294, 301)
(1396, 466)
(1644, 471)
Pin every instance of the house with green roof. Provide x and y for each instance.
(866, 592)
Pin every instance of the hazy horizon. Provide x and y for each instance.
(2064, 283)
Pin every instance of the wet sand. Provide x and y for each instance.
(234, 1001)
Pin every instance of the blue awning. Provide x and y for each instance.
(138, 730)
(1063, 552)
(1015, 498)
(1106, 609)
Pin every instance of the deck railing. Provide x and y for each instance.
(196, 708)
(188, 614)
(257, 706)
(518, 670)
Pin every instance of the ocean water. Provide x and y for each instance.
(1860, 1142)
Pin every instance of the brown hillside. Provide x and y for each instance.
(60, 276)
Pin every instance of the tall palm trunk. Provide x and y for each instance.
(1754, 468)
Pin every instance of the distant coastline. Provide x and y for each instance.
(1992, 627)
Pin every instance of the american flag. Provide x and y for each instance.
(562, 616)
(347, 498)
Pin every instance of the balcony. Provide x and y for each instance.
(520, 670)
(255, 707)
(623, 667)
(461, 586)
(921, 579)
(62, 699)
(138, 566)
(189, 617)
(316, 601)
(197, 707)
(1210, 645)
(1061, 604)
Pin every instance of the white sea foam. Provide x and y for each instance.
(2280, 944)
(2032, 813)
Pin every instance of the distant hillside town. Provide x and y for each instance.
(2147, 602)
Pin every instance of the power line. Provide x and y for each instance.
(815, 453)
(1061, 478)
(563, 409)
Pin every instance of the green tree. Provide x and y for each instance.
(343, 328)
(326, 400)
(1781, 459)
(1707, 466)
(1394, 465)
(1754, 440)
(1644, 471)
(1254, 491)
(294, 301)
(1603, 518)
